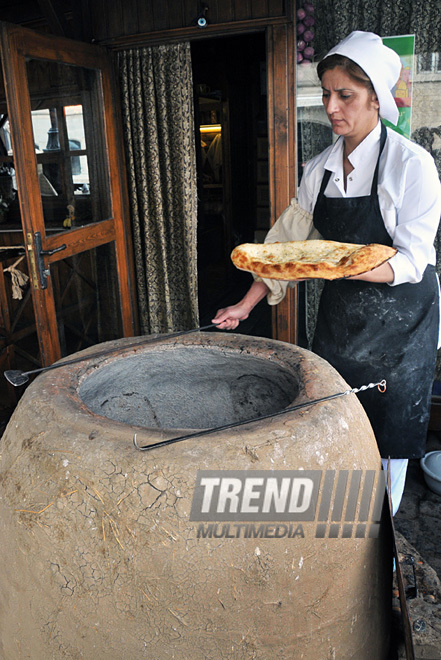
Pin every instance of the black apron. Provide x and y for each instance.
(373, 331)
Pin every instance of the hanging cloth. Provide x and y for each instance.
(158, 118)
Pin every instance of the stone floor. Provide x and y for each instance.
(418, 527)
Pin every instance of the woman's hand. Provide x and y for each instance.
(228, 318)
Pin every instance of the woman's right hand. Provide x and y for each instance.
(228, 318)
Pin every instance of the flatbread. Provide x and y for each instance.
(295, 260)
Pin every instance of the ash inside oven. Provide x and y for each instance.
(188, 388)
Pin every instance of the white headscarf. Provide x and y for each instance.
(380, 63)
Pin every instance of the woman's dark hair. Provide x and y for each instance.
(349, 66)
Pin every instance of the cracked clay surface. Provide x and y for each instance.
(100, 558)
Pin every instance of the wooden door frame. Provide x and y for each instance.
(282, 137)
(282, 122)
(116, 229)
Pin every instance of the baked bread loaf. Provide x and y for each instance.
(296, 260)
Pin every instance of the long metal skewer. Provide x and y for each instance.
(163, 443)
(17, 377)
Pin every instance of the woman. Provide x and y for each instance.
(371, 186)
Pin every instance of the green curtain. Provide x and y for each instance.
(158, 117)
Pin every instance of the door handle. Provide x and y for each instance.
(40, 254)
(49, 252)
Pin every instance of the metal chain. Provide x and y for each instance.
(381, 387)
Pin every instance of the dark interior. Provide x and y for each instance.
(229, 82)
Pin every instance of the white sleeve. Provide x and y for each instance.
(294, 224)
(417, 220)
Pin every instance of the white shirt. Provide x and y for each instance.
(409, 194)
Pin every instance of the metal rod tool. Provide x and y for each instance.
(17, 377)
(163, 443)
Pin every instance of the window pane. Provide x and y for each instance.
(75, 126)
(45, 133)
(80, 175)
(86, 298)
(70, 146)
(314, 129)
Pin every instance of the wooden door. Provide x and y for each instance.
(70, 184)
(282, 135)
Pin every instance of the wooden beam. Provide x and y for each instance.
(191, 33)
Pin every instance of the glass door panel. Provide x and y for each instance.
(69, 144)
(61, 146)
(313, 128)
(86, 298)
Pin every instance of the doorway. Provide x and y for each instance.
(230, 94)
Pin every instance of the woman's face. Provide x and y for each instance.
(351, 108)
